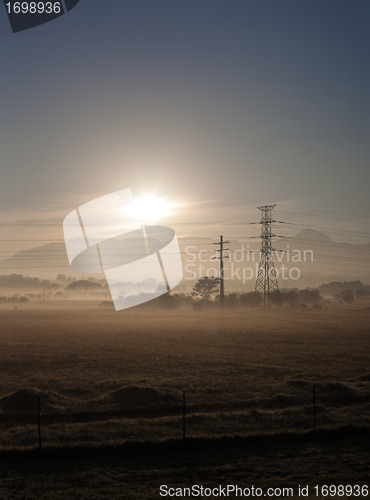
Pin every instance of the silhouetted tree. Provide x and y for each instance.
(275, 298)
(250, 299)
(83, 286)
(361, 294)
(348, 296)
(290, 297)
(309, 296)
(232, 300)
(205, 286)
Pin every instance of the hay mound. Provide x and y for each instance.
(136, 397)
(24, 401)
(337, 393)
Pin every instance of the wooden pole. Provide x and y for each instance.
(314, 407)
(183, 414)
(38, 422)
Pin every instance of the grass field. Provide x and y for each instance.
(137, 471)
(109, 381)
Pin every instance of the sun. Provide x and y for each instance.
(148, 208)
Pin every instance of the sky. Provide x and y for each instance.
(221, 105)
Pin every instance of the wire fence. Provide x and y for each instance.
(38, 426)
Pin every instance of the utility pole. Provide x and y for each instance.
(183, 415)
(221, 257)
(38, 422)
(266, 281)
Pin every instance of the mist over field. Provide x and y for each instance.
(244, 371)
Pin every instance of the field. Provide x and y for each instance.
(111, 385)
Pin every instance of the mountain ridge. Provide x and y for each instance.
(331, 260)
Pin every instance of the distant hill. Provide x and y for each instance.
(318, 257)
(325, 260)
(311, 235)
(46, 261)
(21, 282)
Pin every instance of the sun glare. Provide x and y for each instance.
(148, 208)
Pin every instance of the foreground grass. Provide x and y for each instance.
(245, 373)
(136, 470)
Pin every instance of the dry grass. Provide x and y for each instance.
(245, 372)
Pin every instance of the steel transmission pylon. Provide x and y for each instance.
(266, 281)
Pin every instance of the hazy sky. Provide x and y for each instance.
(241, 101)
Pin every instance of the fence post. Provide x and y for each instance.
(314, 407)
(38, 422)
(183, 414)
